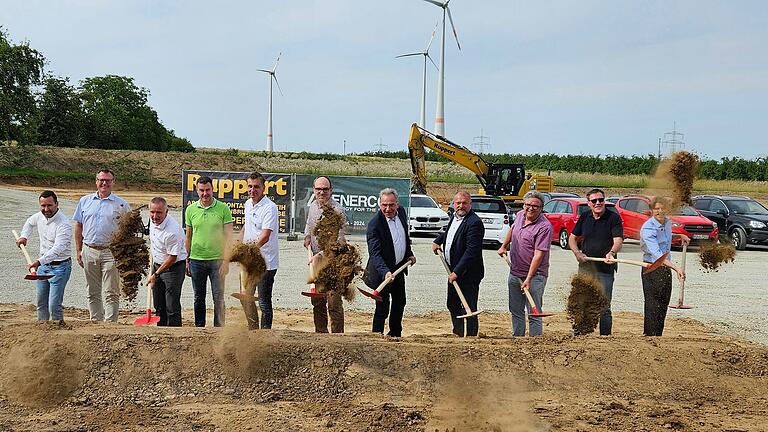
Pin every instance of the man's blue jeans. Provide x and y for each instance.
(50, 293)
(201, 271)
(606, 318)
(518, 304)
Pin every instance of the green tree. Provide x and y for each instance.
(60, 115)
(21, 68)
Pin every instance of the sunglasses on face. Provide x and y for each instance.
(597, 200)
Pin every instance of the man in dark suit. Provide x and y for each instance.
(389, 247)
(462, 243)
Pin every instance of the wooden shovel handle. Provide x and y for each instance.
(397, 272)
(455, 284)
(23, 248)
(619, 260)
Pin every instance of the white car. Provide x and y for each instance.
(493, 212)
(425, 216)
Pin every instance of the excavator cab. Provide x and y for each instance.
(504, 179)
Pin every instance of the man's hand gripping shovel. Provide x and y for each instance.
(32, 275)
(375, 294)
(535, 312)
(455, 284)
(313, 292)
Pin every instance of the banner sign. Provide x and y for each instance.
(358, 195)
(231, 188)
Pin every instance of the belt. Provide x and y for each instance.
(97, 247)
(55, 263)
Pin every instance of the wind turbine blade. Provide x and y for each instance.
(455, 36)
(432, 37)
(264, 70)
(278, 85)
(277, 61)
(408, 55)
(433, 62)
(436, 3)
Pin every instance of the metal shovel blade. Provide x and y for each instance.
(372, 295)
(656, 264)
(314, 294)
(536, 313)
(244, 297)
(146, 319)
(680, 306)
(35, 276)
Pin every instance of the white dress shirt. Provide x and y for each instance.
(55, 236)
(457, 220)
(258, 217)
(167, 239)
(398, 237)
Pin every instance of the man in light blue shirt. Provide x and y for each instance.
(96, 218)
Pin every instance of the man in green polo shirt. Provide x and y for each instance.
(209, 228)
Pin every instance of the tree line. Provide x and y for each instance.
(106, 112)
(727, 168)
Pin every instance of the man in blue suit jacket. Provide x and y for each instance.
(462, 243)
(389, 247)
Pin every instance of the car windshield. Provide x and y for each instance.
(747, 207)
(488, 206)
(420, 201)
(686, 211)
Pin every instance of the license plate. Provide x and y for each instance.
(488, 221)
(700, 236)
(428, 225)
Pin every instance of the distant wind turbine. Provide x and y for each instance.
(440, 110)
(272, 76)
(425, 53)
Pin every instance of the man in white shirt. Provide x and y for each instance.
(169, 258)
(96, 218)
(261, 227)
(55, 233)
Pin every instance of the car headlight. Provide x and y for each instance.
(413, 217)
(444, 218)
(676, 224)
(757, 224)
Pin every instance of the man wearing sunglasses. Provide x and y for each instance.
(601, 234)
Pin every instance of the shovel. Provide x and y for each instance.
(680, 299)
(534, 310)
(648, 266)
(242, 295)
(375, 294)
(312, 289)
(32, 273)
(464, 303)
(148, 319)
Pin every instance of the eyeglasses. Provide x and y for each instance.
(532, 206)
(322, 189)
(104, 180)
(597, 200)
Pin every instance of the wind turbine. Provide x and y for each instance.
(425, 53)
(272, 76)
(440, 110)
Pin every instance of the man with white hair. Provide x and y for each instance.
(169, 256)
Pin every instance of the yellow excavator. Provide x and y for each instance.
(504, 180)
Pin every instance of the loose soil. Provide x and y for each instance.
(131, 253)
(585, 303)
(102, 377)
(712, 256)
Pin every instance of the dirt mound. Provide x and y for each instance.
(41, 373)
(130, 251)
(711, 256)
(585, 302)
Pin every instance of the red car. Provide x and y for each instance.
(563, 213)
(635, 210)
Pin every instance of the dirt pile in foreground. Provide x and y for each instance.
(121, 377)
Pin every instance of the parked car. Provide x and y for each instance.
(743, 219)
(563, 213)
(425, 216)
(635, 210)
(550, 195)
(493, 212)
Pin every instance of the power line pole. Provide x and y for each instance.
(380, 146)
(479, 142)
(674, 140)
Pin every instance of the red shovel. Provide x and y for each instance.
(375, 294)
(534, 310)
(148, 319)
(312, 289)
(32, 273)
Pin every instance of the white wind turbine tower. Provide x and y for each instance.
(425, 53)
(440, 111)
(272, 76)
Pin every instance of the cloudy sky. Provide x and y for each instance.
(579, 77)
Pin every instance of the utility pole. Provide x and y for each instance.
(674, 140)
(380, 146)
(344, 148)
(479, 142)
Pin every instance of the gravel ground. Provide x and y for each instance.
(730, 300)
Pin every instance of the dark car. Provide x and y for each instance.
(563, 213)
(743, 219)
